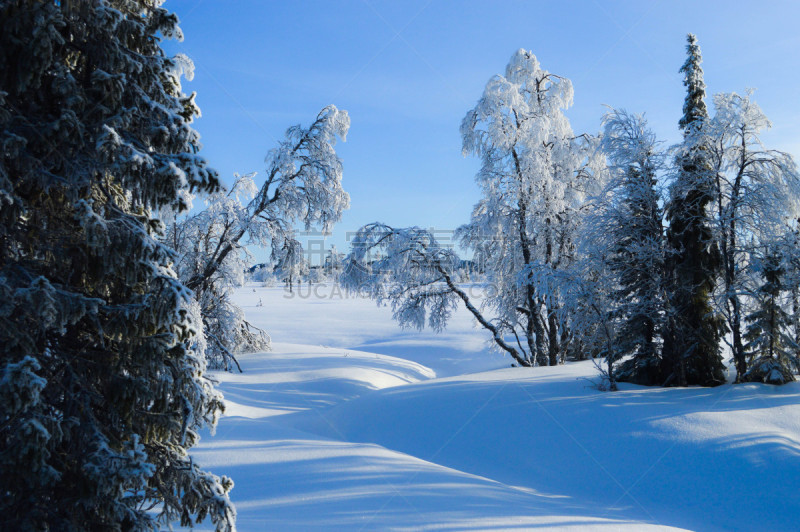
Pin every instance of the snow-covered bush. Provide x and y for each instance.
(196, 237)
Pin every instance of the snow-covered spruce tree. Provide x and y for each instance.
(773, 352)
(198, 236)
(101, 394)
(627, 227)
(691, 353)
(524, 226)
(755, 190)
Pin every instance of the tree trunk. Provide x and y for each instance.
(552, 338)
(498, 338)
(738, 348)
(541, 359)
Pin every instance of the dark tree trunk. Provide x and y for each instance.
(552, 339)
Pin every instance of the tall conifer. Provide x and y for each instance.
(692, 338)
(101, 393)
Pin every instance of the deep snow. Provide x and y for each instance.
(353, 424)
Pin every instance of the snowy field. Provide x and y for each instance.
(350, 423)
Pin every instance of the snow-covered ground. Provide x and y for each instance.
(353, 424)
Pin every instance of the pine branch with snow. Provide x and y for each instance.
(103, 391)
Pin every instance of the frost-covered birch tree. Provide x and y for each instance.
(101, 392)
(334, 263)
(303, 185)
(532, 180)
(198, 236)
(290, 262)
(755, 197)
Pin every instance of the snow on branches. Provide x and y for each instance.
(303, 185)
(411, 271)
(534, 175)
(406, 267)
(103, 392)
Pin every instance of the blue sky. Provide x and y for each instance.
(408, 71)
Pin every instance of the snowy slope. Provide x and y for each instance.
(323, 434)
(690, 458)
(326, 315)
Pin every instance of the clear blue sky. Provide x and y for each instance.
(408, 71)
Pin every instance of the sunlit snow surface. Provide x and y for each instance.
(353, 424)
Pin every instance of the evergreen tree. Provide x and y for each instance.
(692, 340)
(101, 392)
(632, 223)
(694, 105)
(774, 351)
(755, 191)
(791, 254)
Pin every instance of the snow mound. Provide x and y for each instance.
(293, 377)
